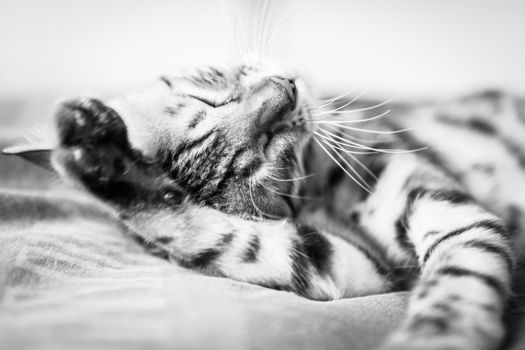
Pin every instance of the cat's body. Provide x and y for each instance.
(221, 171)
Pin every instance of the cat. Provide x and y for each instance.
(242, 172)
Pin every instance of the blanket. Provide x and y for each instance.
(72, 278)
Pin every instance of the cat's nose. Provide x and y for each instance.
(278, 99)
(289, 87)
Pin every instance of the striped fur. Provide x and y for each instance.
(209, 168)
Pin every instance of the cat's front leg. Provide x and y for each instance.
(463, 251)
(95, 153)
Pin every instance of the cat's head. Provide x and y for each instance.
(231, 138)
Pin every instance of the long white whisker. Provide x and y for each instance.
(342, 167)
(246, 43)
(380, 132)
(273, 32)
(347, 151)
(351, 101)
(240, 47)
(341, 146)
(332, 100)
(256, 207)
(336, 128)
(282, 194)
(363, 166)
(355, 110)
(352, 121)
(343, 141)
(260, 27)
(382, 150)
(266, 29)
(352, 168)
(277, 29)
(292, 179)
(220, 5)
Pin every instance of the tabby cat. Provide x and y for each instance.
(241, 172)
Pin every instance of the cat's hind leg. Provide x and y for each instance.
(463, 251)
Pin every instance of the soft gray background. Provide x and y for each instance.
(412, 47)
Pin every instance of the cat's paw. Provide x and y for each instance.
(89, 121)
(93, 142)
(94, 151)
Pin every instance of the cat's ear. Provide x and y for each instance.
(37, 154)
(35, 145)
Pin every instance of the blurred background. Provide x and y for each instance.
(411, 48)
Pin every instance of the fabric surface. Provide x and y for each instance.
(71, 278)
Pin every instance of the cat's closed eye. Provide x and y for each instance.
(214, 104)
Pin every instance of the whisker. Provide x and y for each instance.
(349, 143)
(352, 168)
(351, 101)
(238, 46)
(381, 132)
(356, 110)
(277, 29)
(358, 162)
(265, 22)
(343, 141)
(342, 167)
(347, 151)
(372, 138)
(340, 146)
(263, 214)
(365, 168)
(352, 121)
(260, 27)
(292, 179)
(283, 194)
(220, 5)
(246, 41)
(331, 100)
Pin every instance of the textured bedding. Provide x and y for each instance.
(71, 278)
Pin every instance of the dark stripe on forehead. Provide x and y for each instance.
(166, 80)
(196, 119)
(210, 78)
(189, 145)
(174, 110)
